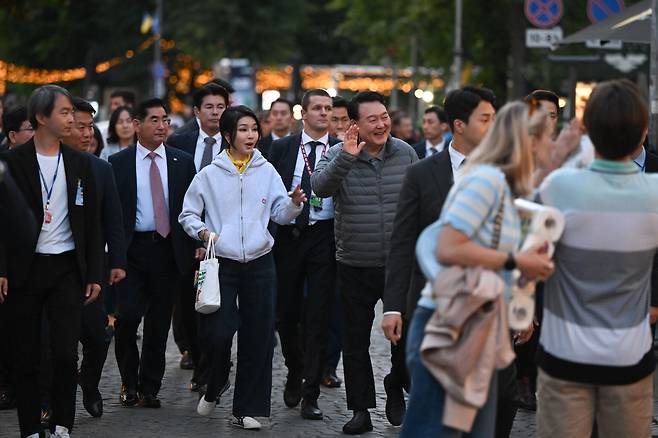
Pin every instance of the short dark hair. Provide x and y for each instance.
(363, 97)
(440, 113)
(144, 106)
(210, 89)
(398, 117)
(127, 96)
(546, 95)
(306, 99)
(459, 104)
(83, 106)
(616, 118)
(13, 119)
(42, 101)
(340, 102)
(224, 84)
(112, 136)
(228, 123)
(282, 100)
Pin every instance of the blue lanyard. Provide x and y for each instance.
(49, 192)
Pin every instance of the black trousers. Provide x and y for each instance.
(335, 334)
(361, 288)
(55, 287)
(147, 292)
(252, 285)
(305, 257)
(6, 358)
(185, 321)
(94, 345)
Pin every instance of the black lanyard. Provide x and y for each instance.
(49, 192)
(306, 162)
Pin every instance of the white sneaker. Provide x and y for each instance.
(34, 435)
(245, 423)
(61, 432)
(205, 407)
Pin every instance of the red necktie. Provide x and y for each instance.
(160, 209)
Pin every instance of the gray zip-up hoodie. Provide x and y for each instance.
(237, 207)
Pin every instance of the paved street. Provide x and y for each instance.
(178, 418)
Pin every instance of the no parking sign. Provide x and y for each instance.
(544, 13)
(599, 10)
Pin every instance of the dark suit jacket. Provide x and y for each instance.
(424, 189)
(108, 198)
(283, 155)
(180, 171)
(186, 136)
(264, 145)
(420, 149)
(651, 166)
(84, 220)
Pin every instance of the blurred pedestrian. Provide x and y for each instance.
(236, 196)
(121, 132)
(17, 126)
(118, 98)
(281, 114)
(265, 120)
(340, 120)
(435, 126)
(403, 127)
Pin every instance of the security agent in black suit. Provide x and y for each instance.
(304, 253)
(16, 221)
(94, 316)
(203, 143)
(435, 125)
(151, 179)
(281, 114)
(66, 265)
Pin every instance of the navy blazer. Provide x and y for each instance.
(264, 145)
(180, 172)
(420, 149)
(108, 199)
(185, 138)
(84, 220)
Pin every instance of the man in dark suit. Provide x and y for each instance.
(281, 114)
(152, 179)
(435, 126)
(304, 253)
(66, 267)
(17, 127)
(203, 143)
(424, 190)
(94, 316)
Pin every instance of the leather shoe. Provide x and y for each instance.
(93, 403)
(149, 401)
(360, 423)
(292, 393)
(527, 399)
(186, 362)
(330, 379)
(310, 410)
(7, 400)
(128, 396)
(395, 404)
(194, 386)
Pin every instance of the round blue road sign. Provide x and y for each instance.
(544, 13)
(599, 10)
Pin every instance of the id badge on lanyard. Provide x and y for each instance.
(314, 201)
(47, 210)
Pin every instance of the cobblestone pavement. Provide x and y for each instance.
(177, 417)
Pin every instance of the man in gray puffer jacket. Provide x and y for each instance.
(364, 175)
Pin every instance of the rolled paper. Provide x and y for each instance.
(547, 222)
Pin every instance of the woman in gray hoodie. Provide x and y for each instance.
(235, 197)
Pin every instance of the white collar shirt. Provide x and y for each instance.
(327, 211)
(145, 217)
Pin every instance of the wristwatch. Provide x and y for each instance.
(510, 263)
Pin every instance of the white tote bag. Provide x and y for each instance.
(208, 297)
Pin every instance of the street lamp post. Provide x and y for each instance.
(158, 66)
(457, 51)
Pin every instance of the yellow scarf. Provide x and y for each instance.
(241, 165)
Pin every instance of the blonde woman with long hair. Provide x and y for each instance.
(497, 171)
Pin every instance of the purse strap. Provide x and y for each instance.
(498, 223)
(210, 252)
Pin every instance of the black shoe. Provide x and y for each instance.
(7, 400)
(149, 401)
(128, 396)
(186, 362)
(360, 423)
(310, 410)
(330, 379)
(527, 399)
(292, 394)
(93, 403)
(395, 405)
(194, 386)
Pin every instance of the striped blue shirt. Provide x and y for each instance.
(596, 305)
(471, 207)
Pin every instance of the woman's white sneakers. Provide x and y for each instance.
(204, 407)
(245, 423)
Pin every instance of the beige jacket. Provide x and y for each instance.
(466, 340)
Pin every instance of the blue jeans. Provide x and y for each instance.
(424, 417)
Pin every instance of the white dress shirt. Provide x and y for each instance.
(456, 159)
(55, 237)
(201, 146)
(145, 220)
(327, 211)
(276, 137)
(429, 147)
